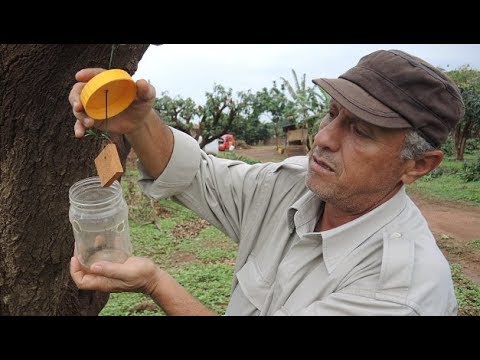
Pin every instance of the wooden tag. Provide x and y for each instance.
(109, 167)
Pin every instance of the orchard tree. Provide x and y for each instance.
(249, 126)
(40, 159)
(468, 80)
(221, 111)
(274, 104)
(215, 118)
(245, 124)
(177, 112)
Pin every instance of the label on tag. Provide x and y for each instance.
(109, 167)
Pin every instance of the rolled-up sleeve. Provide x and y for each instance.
(180, 171)
(222, 191)
(230, 194)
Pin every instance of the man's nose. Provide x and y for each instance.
(330, 134)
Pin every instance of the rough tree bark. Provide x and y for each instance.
(39, 160)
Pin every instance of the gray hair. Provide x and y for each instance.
(414, 146)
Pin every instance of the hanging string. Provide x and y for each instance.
(105, 134)
(92, 132)
(111, 56)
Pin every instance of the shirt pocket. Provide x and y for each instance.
(252, 283)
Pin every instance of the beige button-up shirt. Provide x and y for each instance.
(385, 262)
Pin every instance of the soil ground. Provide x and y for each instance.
(455, 225)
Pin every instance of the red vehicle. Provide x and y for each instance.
(227, 142)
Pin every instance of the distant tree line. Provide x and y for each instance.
(258, 116)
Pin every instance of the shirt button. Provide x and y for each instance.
(396, 235)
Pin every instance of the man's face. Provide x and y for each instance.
(354, 164)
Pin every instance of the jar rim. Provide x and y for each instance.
(111, 192)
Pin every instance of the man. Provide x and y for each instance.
(333, 233)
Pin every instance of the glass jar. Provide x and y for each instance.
(99, 217)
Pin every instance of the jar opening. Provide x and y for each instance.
(89, 193)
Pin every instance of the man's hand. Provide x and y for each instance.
(137, 274)
(126, 122)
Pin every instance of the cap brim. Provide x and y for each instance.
(362, 104)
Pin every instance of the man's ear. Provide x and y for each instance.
(417, 168)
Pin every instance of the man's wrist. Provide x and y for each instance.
(154, 284)
(139, 131)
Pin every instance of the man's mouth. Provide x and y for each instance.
(320, 165)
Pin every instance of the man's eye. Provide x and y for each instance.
(358, 131)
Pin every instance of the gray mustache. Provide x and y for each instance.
(325, 155)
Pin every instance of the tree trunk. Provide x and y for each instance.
(461, 149)
(39, 160)
(461, 138)
(456, 139)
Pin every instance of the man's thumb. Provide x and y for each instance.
(145, 91)
(104, 268)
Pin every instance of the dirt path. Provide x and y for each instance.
(454, 225)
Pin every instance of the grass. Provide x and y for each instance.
(475, 244)
(201, 258)
(208, 283)
(467, 293)
(445, 183)
(234, 156)
(203, 263)
(130, 304)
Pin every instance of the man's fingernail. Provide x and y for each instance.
(96, 268)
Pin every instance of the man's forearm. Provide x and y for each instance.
(153, 144)
(174, 298)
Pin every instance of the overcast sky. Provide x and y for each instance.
(191, 70)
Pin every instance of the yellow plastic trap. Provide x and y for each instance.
(108, 94)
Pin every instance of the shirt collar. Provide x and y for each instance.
(307, 206)
(340, 241)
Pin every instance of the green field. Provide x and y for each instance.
(446, 183)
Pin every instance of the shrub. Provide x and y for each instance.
(472, 145)
(448, 147)
(471, 171)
